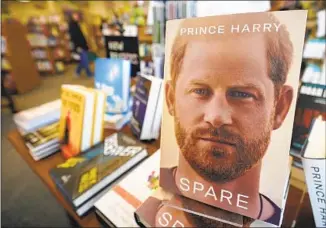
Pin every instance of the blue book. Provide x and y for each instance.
(113, 77)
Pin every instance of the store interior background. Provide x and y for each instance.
(26, 202)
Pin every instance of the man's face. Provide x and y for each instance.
(224, 106)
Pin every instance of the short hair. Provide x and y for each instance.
(279, 46)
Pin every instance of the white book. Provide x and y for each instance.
(314, 49)
(119, 203)
(146, 102)
(36, 117)
(314, 162)
(321, 23)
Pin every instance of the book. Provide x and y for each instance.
(226, 125)
(81, 121)
(31, 119)
(314, 49)
(147, 108)
(165, 209)
(118, 205)
(80, 178)
(113, 77)
(116, 121)
(314, 165)
(43, 141)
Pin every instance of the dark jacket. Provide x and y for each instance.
(77, 36)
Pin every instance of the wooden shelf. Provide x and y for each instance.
(23, 67)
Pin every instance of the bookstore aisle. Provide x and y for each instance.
(19, 184)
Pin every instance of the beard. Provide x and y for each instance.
(218, 164)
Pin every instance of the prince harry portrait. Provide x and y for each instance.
(230, 90)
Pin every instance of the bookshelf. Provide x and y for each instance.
(19, 73)
(311, 100)
(49, 44)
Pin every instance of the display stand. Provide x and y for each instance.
(18, 53)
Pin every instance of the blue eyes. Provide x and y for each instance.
(239, 94)
(203, 92)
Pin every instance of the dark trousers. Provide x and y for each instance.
(84, 64)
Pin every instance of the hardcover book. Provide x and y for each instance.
(81, 177)
(81, 120)
(118, 205)
(164, 209)
(230, 95)
(147, 105)
(113, 77)
(314, 164)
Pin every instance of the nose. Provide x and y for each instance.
(218, 111)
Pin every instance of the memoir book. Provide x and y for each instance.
(314, 164)
(81, 177)
(230, 95)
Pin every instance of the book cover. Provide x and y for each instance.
(314, 165)
(230, 95)
(81, 177)
(72, 120)
(164, 209)
(139, 107)
(119, 203)
(31, 119)
(113, 77)
(42, 137)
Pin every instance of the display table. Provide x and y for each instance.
(297, 203)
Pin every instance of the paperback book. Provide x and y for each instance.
(43, 142)
(31, 119)
(228, 115)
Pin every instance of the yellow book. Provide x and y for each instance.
(76, 120)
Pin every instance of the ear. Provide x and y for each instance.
(169, 96)
(283, 105)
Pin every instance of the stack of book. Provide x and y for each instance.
(116, 207)
(36, 117)
(217, 168)
(83, 179)
(39, 127)
(43, 142)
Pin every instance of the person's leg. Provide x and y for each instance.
(86, 63)
(79, 69)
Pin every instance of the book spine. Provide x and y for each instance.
(314, 170)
